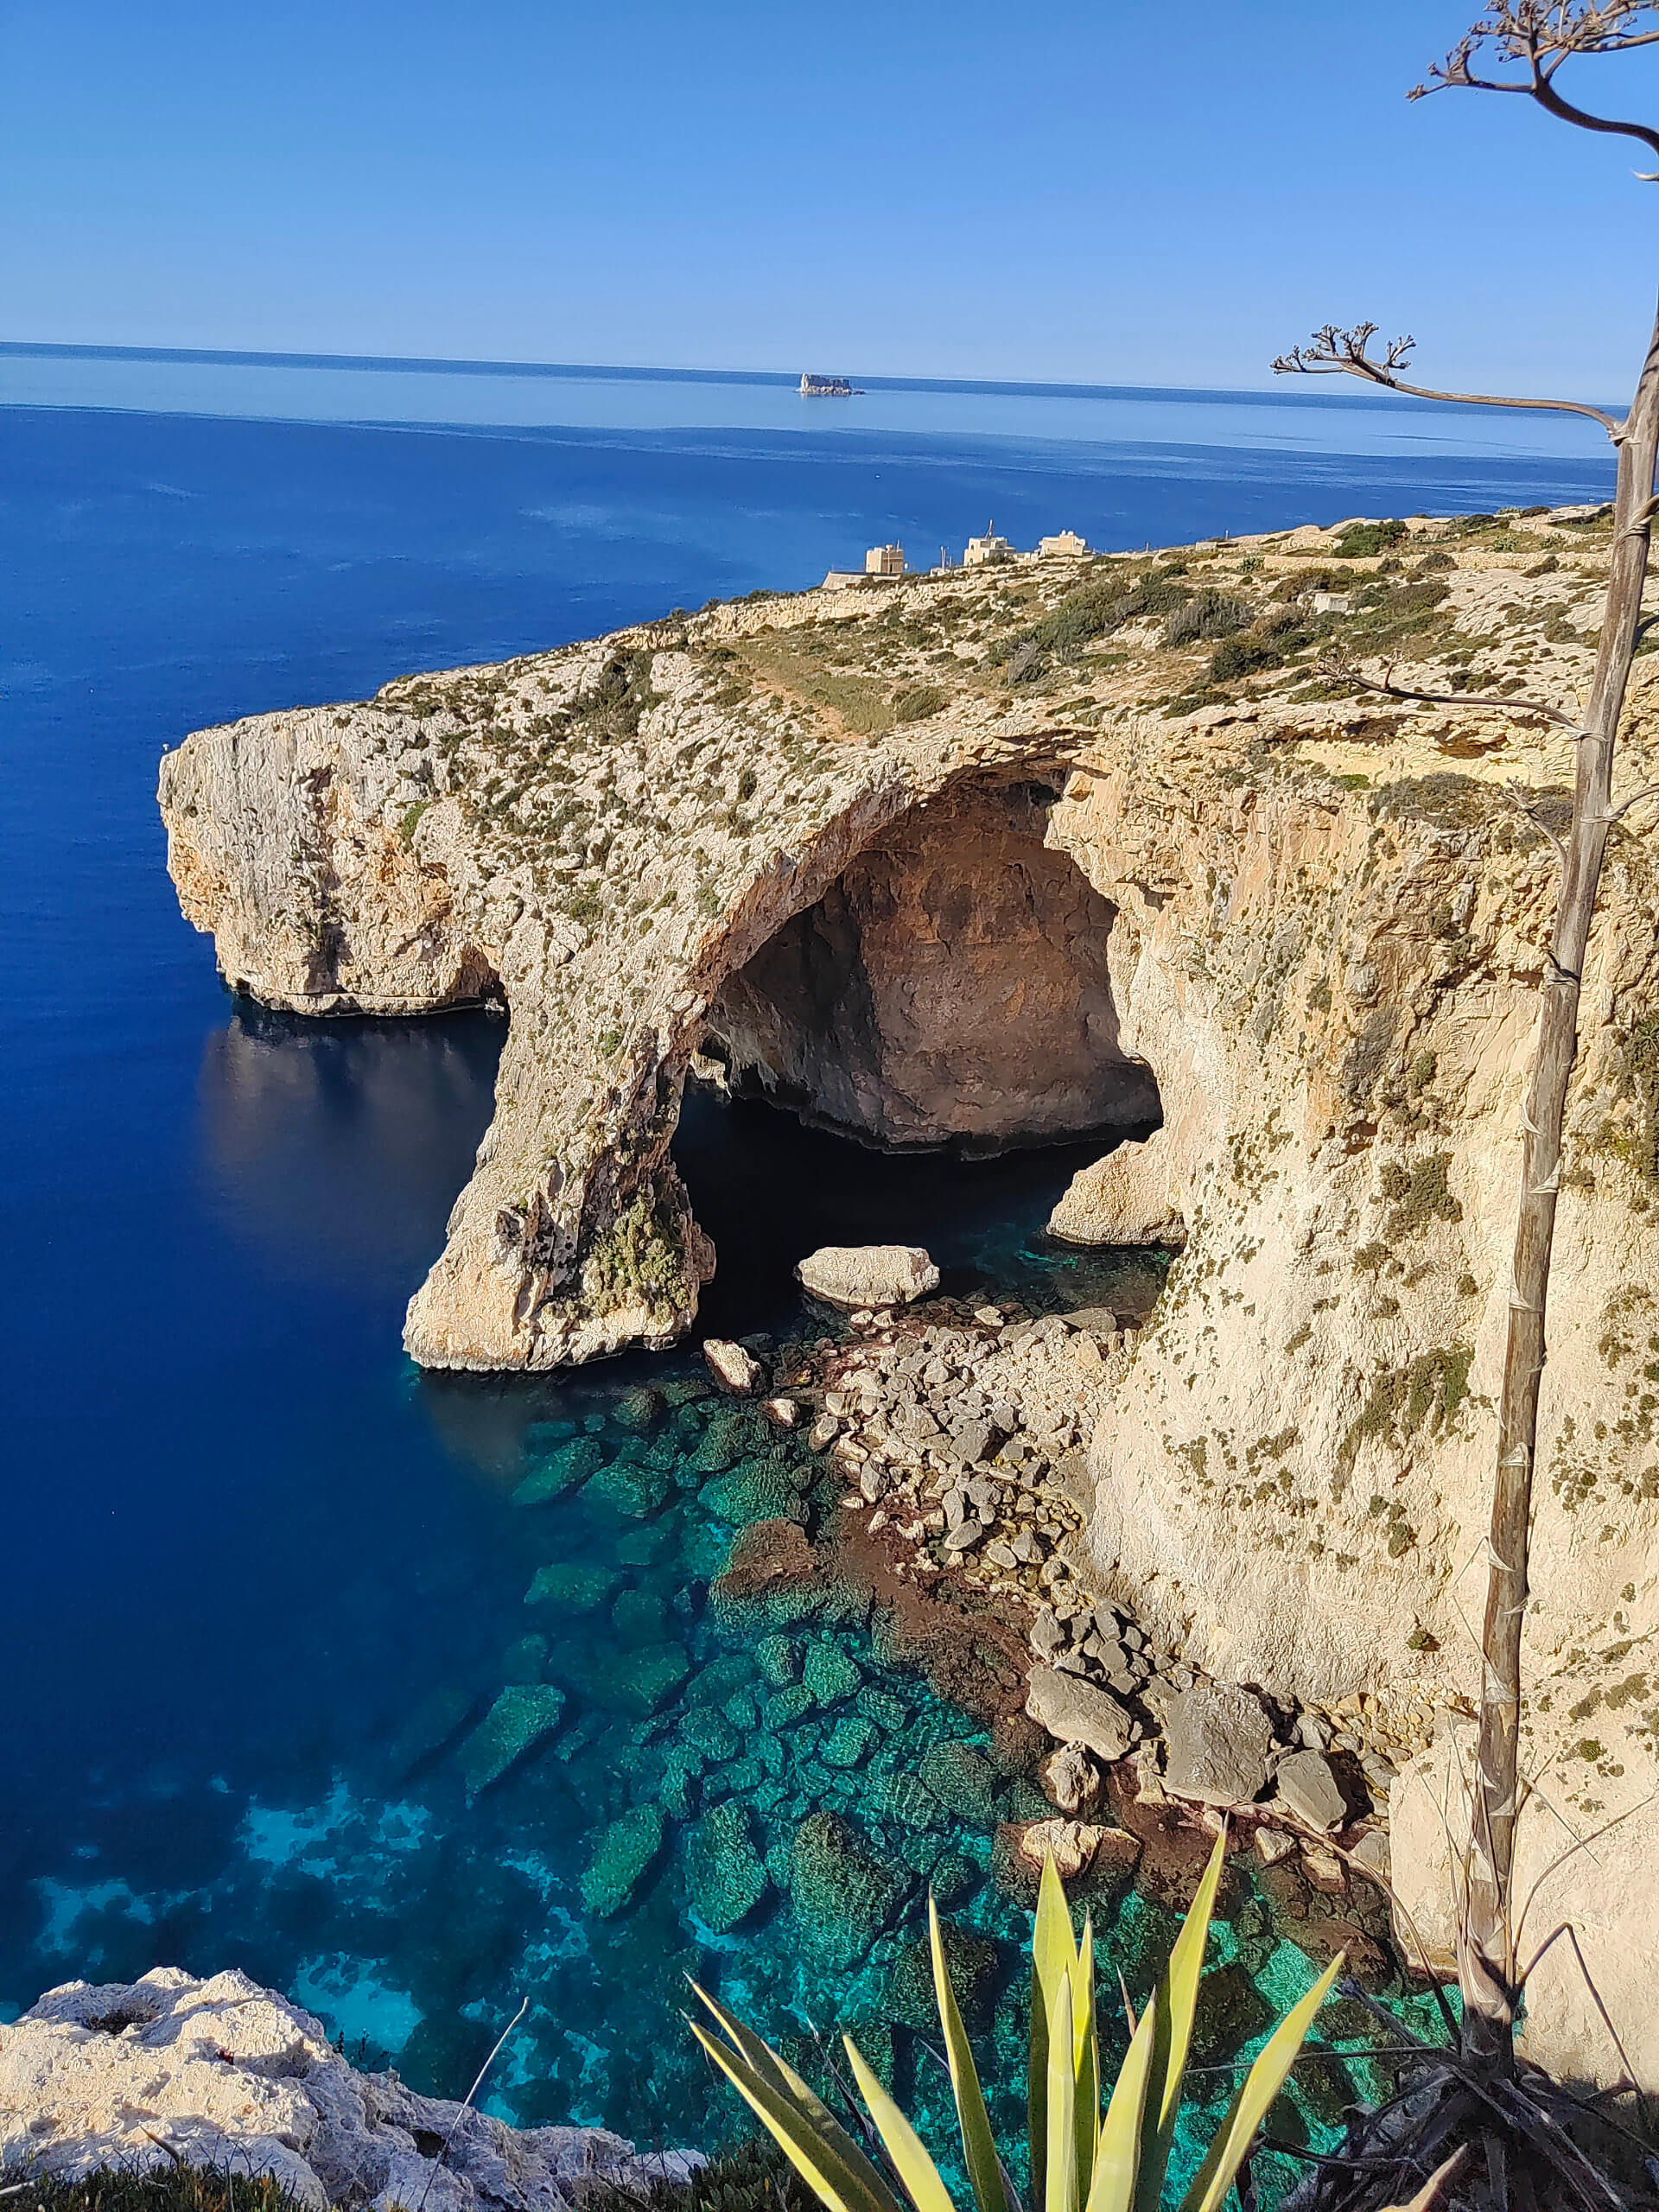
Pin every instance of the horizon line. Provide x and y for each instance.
(1351, 394)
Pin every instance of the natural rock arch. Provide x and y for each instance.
(951, 987)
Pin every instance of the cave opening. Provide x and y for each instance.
(949, 991)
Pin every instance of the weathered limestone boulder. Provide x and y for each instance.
(1072, 1781)
(221, 2073)
(1306, 1788)
(738, 1372)
(1128, 1198)
(1070, 1843)
(1217, 1744)
(1077, 1711)
(855, 1275)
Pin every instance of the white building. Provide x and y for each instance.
(988, 548)
(1065, 545)
(885, 561)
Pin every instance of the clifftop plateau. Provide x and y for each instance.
(1044, 849)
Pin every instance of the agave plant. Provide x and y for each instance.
(1081, 2159)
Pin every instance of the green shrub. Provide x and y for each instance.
(917, 702)
(1362, 539)
(1237, 657)
(1207, 614)
(176, 2188)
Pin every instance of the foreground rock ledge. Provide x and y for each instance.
(224, 2074)
(825, 841)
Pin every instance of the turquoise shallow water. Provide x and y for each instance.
(248, 1548)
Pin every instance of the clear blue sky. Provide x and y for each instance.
(974, 189)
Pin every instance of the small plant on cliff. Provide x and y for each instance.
(1522, 46)
(1082, 2159)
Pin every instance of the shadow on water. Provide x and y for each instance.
(769, 1191)
(341, 1145)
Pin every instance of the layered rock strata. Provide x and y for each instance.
(878, 851)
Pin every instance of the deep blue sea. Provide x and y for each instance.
(255, 1565)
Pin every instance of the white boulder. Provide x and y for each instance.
(1128, 1198)
(221, 2073)
(738, 1372)
(867, 1275)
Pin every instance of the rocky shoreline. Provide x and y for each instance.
(958, 1427)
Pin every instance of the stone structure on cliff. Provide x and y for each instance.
(1008, 855)
(223, 2075)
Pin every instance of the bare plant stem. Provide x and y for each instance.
(1486, 1959)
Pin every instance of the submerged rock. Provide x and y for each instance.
(642, 1682)
(850, 1741)
(631, 1486)
(565, 1470)
(770, 1579)
(524, 1715)
(762, 1489)
(778, 1659)
(432, 1727)
(639, 1410)
(725, 1875)
(623, 1857)
(970, 1961)
(963, 1781)
(829, 1674)
(568, 1587)
(843, 1895)
(858, 1275)
(140, 2077)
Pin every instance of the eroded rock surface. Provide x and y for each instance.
(223, 2074)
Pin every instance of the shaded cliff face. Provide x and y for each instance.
(953, 985)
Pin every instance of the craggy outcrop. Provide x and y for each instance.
(1006, 854)
(220, 2073)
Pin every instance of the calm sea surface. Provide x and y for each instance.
(261, 1575)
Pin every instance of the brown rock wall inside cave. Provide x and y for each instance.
(950, 987)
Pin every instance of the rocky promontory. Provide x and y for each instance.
(1058, 849)
(223, 2075)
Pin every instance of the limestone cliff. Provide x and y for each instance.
(1032, 851)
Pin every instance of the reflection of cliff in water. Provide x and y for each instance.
(339, 1146)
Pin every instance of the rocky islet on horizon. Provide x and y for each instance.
(1049, 847)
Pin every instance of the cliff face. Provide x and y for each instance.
(1032, 852)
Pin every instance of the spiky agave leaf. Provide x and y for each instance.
(1053, 1958)
(920, 2177)
(1257, 2091)
(1178, 1997)
(1117, 2155)
(978, 2144)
